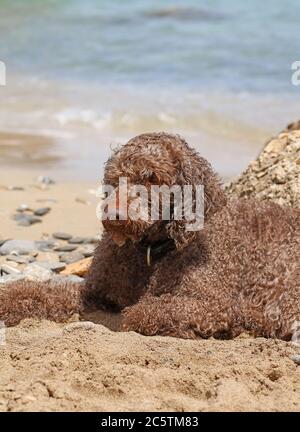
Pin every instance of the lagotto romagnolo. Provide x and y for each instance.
(239, 273)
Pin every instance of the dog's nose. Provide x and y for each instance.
(114, 219)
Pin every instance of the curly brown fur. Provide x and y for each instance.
(28, 299)
(240, 273)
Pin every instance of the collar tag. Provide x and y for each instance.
(149, 256)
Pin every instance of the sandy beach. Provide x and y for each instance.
(77, 81)
(89, 364)
(86, 367)
(73, 205)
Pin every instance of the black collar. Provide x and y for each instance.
(156, 250)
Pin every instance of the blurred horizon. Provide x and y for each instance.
(85, 76)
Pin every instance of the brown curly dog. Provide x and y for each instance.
(240, 273)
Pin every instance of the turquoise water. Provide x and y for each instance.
(93, 73)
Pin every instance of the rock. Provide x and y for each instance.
(37, 273)
(26, 219)
(71, 257)
(67, 279)
(275, 175)
(10, 278)
(2, 241)
(296, 359)
(76, 240)
(19, 259)
(55, 266)
(87, 252)
(81, 325)
(83, 201)
(65, 248)
(62, 236)
(5, 268)
(45, 245)
(23, 207)
(79, 268)
(92, 240)
(45, 180)
(24, 223)
(20, 247)
(42, 211)
(15, 188)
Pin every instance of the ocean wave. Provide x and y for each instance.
(185, 13)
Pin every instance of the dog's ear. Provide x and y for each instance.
(196, 171)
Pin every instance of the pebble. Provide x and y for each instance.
(25, 219)
(65, 248)
(47, 200)
(55, 266)
(296, 359)
(67, 279)
(21, 247)
(86, 253)
(76, 240)
(20, 259)
(7, 279)
(42, 211)
(15, 188)
(62, 236)
(91, 240)
(70, 258)
(45, 245)
(23, 207)
(36, 272)
(5, 268)
(45, 180)
(83, 325)
(83, 201)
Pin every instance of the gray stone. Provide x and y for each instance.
(55, 266)
(296, 359)
(81, 325)
(24, 223)
(42, 211)
(7, 269)
(67, 279)
(21, 247)
(26, 219)
(2, 241)
(92, 240)
(37, 273)
(19, 259)
(23, 207)
(87, 253)
(45, 245)
(15, 188)
(70, 258)
(8, 279)
(45, 180)
(62, 236)
(76, 240)
(65, 248)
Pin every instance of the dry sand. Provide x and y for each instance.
(85, 366)
(78, 366)
(73, 206)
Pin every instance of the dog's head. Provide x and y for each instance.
(135, 171)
